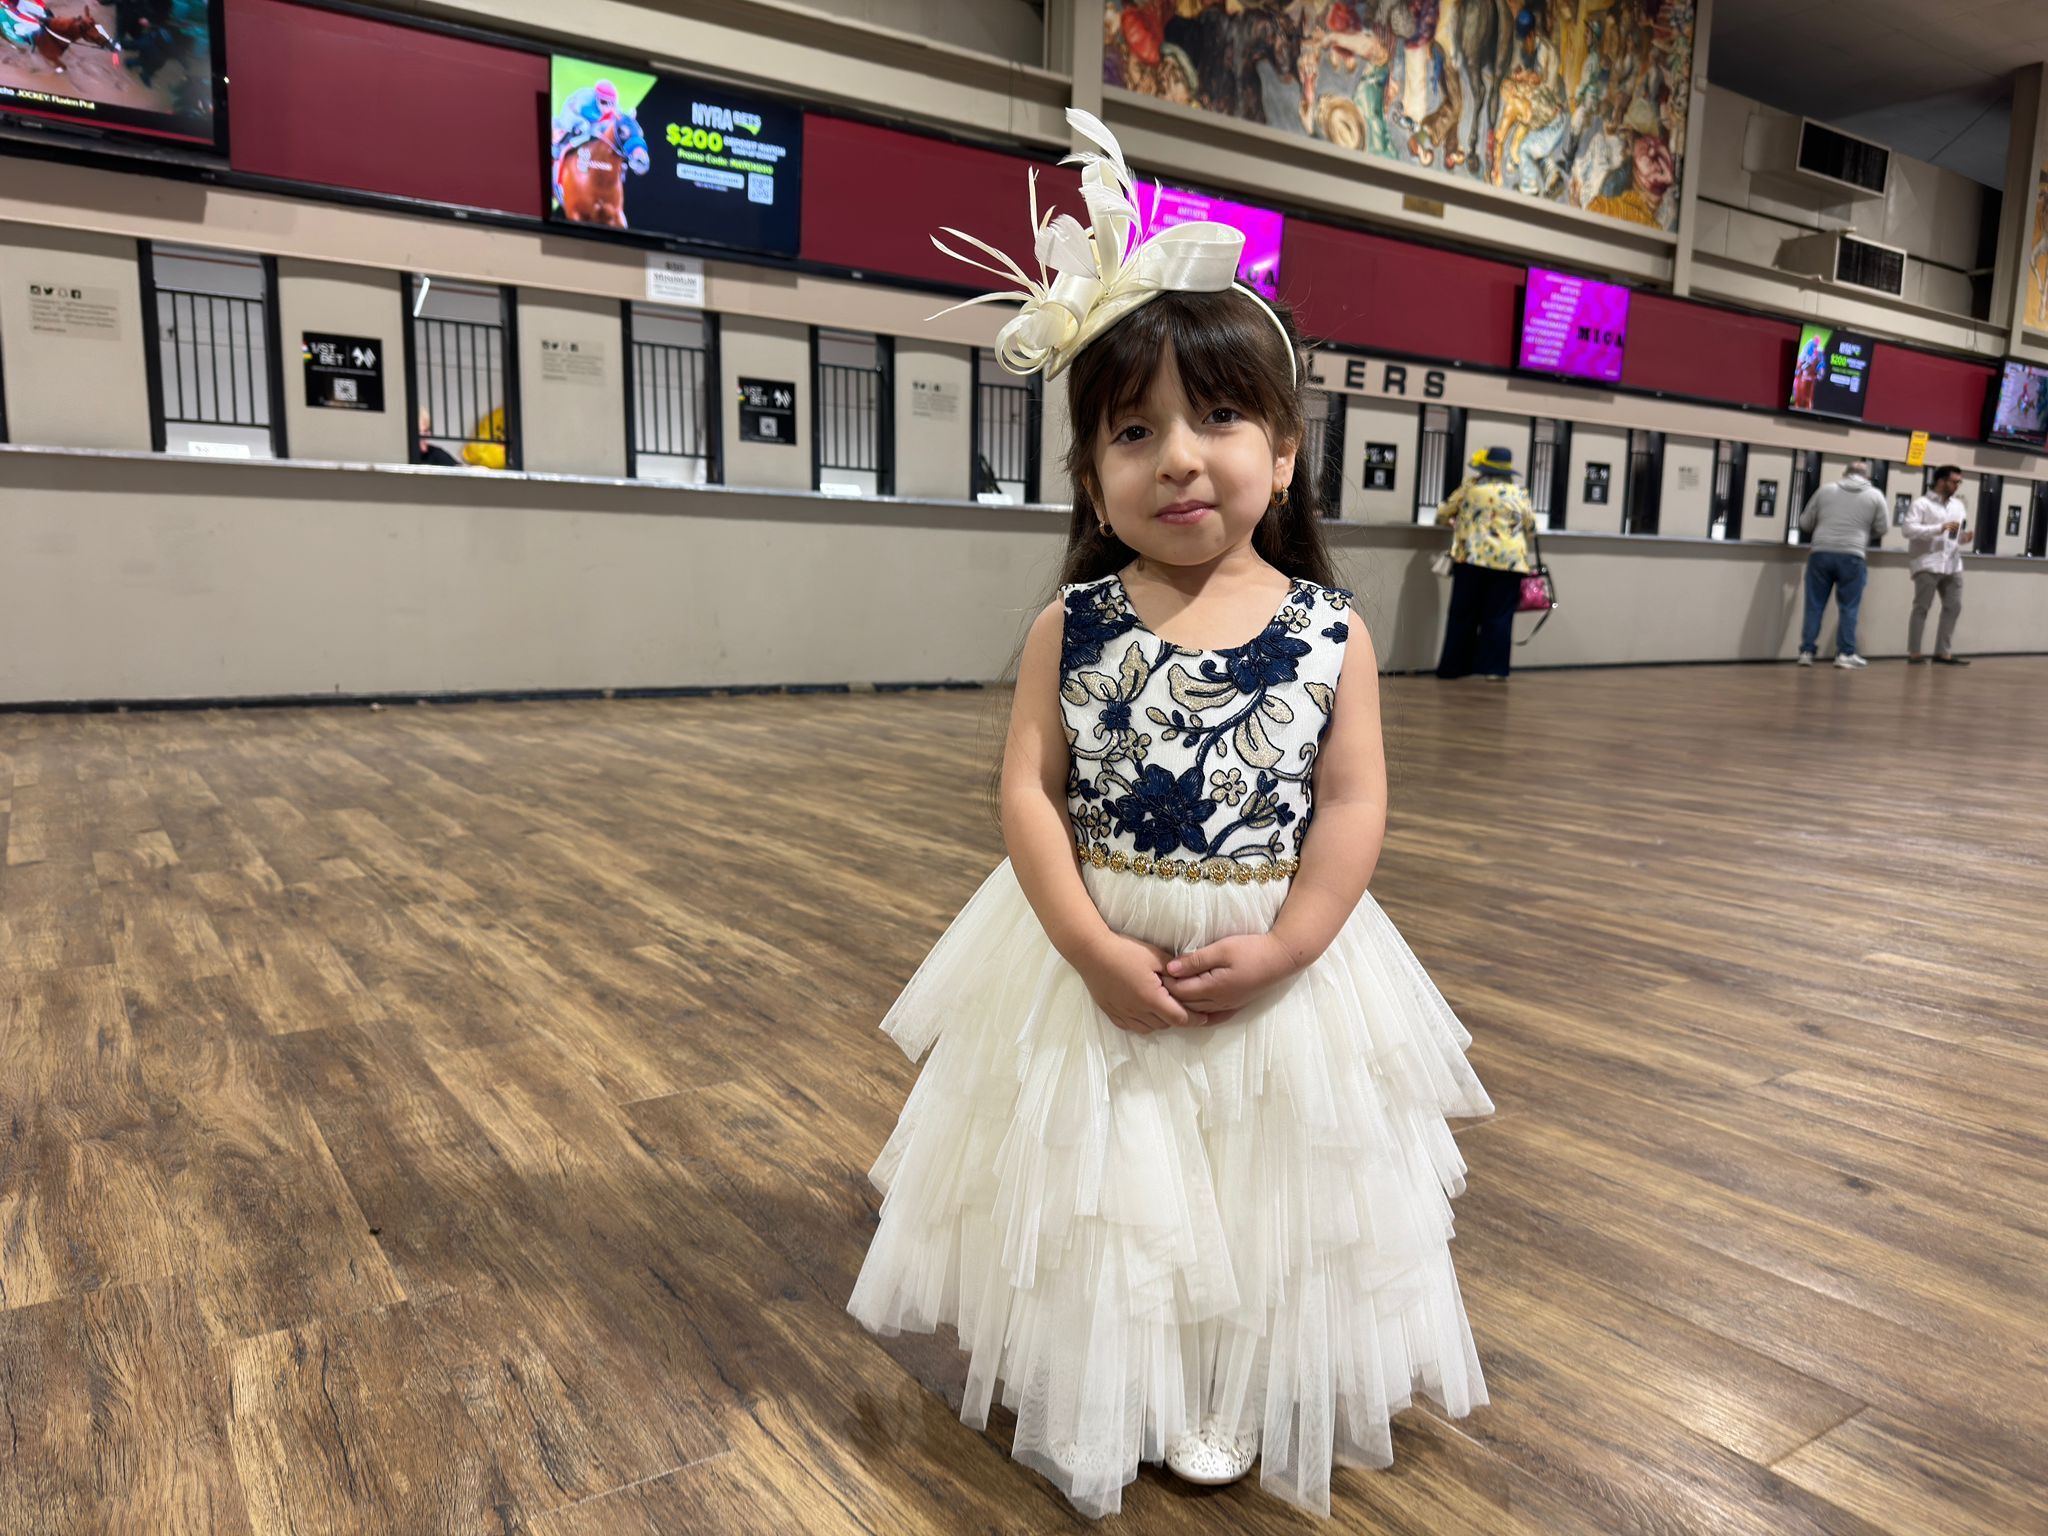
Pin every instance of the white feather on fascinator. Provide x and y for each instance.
(1103, 270)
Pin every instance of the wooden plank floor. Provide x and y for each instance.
(456, 1118)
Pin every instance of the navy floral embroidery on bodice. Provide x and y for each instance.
(1179, 753)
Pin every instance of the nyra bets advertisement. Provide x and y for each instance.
(669, 156)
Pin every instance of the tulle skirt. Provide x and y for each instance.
(1244, 1225)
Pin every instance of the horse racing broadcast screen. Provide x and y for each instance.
(1573, 326)
(2019, 406)
(149, 68)
(1831, 371)
(670, 156)
(1259, 267)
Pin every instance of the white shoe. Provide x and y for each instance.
(1211, 1458)
(1851, 661)
(1806, 658)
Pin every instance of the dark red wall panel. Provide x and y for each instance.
(1918, 391)
(375, 106)
(1369, 291)
(874, 197)
(1709, 354)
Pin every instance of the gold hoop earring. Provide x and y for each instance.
(1105, 530)
(1279, 500)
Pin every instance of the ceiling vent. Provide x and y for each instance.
(1842, 160)
(1827, 166)
(1847, 259)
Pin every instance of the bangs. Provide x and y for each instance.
(1226, 347)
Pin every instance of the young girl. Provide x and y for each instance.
(1177, 1170)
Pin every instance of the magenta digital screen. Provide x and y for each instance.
(1573, 326)
(1259, 267)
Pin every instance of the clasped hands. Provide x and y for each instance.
(1144, 988)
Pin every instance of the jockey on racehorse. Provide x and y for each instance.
(21, 20)
(594, 113)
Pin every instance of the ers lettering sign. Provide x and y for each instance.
(1372, 376)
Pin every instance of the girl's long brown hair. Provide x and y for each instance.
(1228, 353)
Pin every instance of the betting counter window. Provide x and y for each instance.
(1322, 447)
(1645, 491)
(214, 383)
(674, 404)
(1008, 412)
(1550, 465)
(1440, 451)
(853, 427)
(1804, 482)
(464, 399)
(1724, 511)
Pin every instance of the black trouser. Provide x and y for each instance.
(1481, 633)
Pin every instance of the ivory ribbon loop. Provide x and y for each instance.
(1104, 268)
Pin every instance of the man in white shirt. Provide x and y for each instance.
(1936, 529)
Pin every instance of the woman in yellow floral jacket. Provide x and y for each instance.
(1491, 521)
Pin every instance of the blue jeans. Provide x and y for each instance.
(1844, 574)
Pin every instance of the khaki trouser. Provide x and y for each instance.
(1925, 585)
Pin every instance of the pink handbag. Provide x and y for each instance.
(1539, 592)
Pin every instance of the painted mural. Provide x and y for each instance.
(2037, 259)
(1578, 101)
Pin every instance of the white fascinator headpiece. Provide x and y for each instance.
(1091, 275)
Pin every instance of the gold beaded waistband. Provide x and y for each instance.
(1194, 871)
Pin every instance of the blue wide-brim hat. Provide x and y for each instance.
(1494, 461)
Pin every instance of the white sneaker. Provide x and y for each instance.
(1851, 661)
(1211, 1458)
(1806, 658)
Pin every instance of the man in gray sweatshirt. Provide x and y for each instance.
(1845, 519)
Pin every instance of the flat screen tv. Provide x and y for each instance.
(1259, 267)
(151, 70)
(2016, 411)
(671, 156)
(1573, 327)
(1831, 371)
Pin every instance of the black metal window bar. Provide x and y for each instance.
(850, 418)
(1322, 448)
(1003, 451)
(1990, 512)
(1804, 482)
(672, 402)
(1645, 482)
(1724, 515)
(461, 381)
(1880, 481)
(1439, 468)
(214, 359)
(1550, 452)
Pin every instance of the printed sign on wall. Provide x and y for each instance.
(1598, 478)
(1381, 462)
(768, 411)
(933, 400)
(59, 309)
(1767, 498)
(571, 362)
(343, 373)
(675, 280)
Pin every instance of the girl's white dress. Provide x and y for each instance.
(1243, 1226)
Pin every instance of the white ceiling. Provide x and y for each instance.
(1929, 78)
